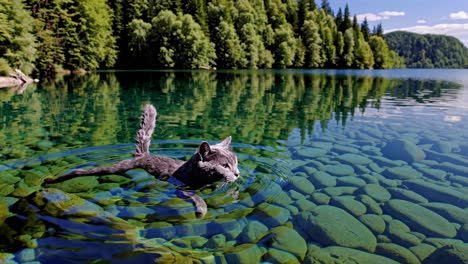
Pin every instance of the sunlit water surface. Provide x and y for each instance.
(331, 162)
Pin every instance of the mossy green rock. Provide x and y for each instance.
(438, 193)
(403, 194)
(451, 212)
(404, 150)
(311, 152)
(464, 232)
(245, 253)
(77, 185)
(272, 215)
(253, 231)
(372, 206)
(376, 192)
(332, 226)
(354, 159)
(349, 204)
(452, 254)
(6, 189)
(422, 251)
(23, 190)
(276, 256)
(373, 222)
(402, 173)
(397, 252)
(338, 191)
(340, 170)
(350, 181)
(420, 219)
(302, 184)
(343, 255)
(322, 179)
(287, 239)
(399, 233)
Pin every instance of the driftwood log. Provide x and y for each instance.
(17, 78)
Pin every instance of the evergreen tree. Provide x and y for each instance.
(326, 7)
(230, 54)
(365, 29)
(17, 43)
(346, 20)
(312, 42)
(339, 19)
(348, 50)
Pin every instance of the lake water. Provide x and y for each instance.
(336, 166)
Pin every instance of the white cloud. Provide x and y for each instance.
(392, 13)
(459, 31)
(379, 16)
(421, 21)
(459, 15)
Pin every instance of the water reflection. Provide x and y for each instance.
(256, 107)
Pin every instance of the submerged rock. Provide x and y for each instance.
(332, 226)
(451, 212)
(335, 254)
(397, 252)
(287, 239)
(245, 253)
(373, 222)
(420, 219)
(376, 192)
(349, 204)
(401, 149)
(402, 173)
(279, 256)
(76, 185)
(355, 159)
(438, 193)
(452, 254)
(403, 194)
(422, 251)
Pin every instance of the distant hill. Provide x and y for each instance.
(428, 51)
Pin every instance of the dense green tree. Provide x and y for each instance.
(428, 51)
(348, 50)
(228, 47)
(365, 29)
(312, 42)
(17, 43)
(180, 42)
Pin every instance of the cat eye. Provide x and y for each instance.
(226, 165)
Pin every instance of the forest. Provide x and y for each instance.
(49, 36)
(428, 51)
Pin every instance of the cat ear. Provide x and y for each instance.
(204, 149)
(225, 143)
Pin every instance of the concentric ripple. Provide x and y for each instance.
(116, 218)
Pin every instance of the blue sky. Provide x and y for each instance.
(449, 17)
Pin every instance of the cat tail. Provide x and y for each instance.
(143, 136)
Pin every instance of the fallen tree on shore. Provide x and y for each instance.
(17, 78)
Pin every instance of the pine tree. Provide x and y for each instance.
(17, 43)
(326, 7)
(365, 29)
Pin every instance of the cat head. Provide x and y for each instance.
(217, 161)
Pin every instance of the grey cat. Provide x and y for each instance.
(209, 164)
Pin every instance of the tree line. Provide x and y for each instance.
(51, 35)
(429, 50)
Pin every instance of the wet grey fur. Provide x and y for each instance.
(209, 164)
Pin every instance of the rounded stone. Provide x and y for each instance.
(336, 254)
(400, 149)
(402, 173)
(355, 159)
(322, 179)
(287, 239)
(397, 252)
(279, 256)
(349, 204)
(340, 170)
(373, 222)
(451, 254)
(244, 253)
(376, 192)
(332, 226)
(403, 194)
(420, 219)
(302, 185)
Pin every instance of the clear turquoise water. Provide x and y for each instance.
(386, 150)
